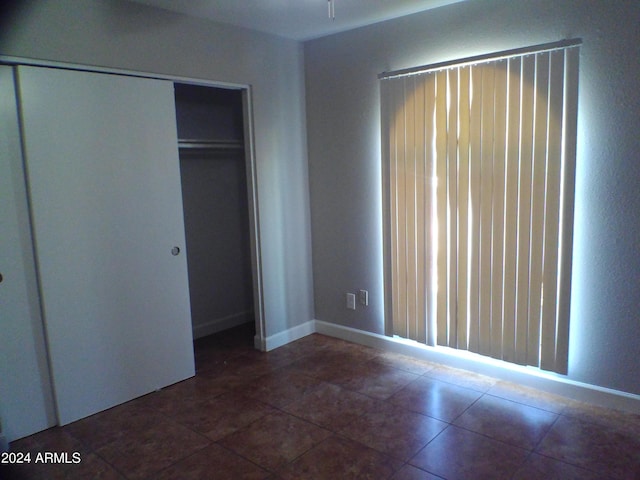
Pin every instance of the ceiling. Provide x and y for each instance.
(297, 19)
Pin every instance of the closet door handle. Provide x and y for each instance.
(175, 251)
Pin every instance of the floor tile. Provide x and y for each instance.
(304, 346)
(225, 379)
(608, 417)
(314, 343)
(338, 371)
(21, 472)
(277, 358)
(435, 398)
(144, 453)
(275, 439)
(352, 350)
(280, 388)
(214, 357)
(56, 439)
(323, 408)
(177, 398)
(462, 378)
(396, 432)
(316, 363)
(235, 338)
(331, 365)
(340, 458)
(538, 467)
(507, 421)
(606, 450)
(404, 362)
(213, 462)
(114, 424)
(252, 364)
(458, 454)
(213, 350)
(331, 406)
(218, 417)
(90, 466)
(409, 472)
(529, 396)
(376, 380)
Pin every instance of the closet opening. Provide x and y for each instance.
(216, 202)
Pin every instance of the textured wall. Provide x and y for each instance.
(343, 129)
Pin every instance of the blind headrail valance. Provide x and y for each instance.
(546, 47)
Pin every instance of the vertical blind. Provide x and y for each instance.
(479, 167)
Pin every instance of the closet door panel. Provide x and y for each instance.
(26, 400)
(103, 173)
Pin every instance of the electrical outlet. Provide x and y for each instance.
(363, 297)
(351, 301)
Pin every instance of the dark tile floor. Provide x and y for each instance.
(322, 408)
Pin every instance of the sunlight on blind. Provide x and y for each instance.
(479, 168)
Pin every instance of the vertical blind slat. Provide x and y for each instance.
(486, 218)
(442, 184)
(386, 125)
(402, 209)
(410, 205)
(392, 108)
(421, 205)
(401, 305)
(463, 208)
(568, 184)
(552, 211)
(452, 204)
(475, 157)
(524, 208)
(497, 233)
(537, 207)
(512, 165)
(431, 211)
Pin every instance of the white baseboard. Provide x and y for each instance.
(219, 324)
(282, 338)
(526, 376)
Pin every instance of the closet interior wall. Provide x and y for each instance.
(215, 200)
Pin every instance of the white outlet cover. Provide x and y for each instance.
(351, 301)
(363, 297)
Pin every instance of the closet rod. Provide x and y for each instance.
(209, 145)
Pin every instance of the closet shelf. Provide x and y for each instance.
(198, 144)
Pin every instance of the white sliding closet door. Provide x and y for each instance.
(104, 182)
(26, 401)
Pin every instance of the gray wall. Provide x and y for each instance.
(214, 196)
(343, 129)
(123, 35)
